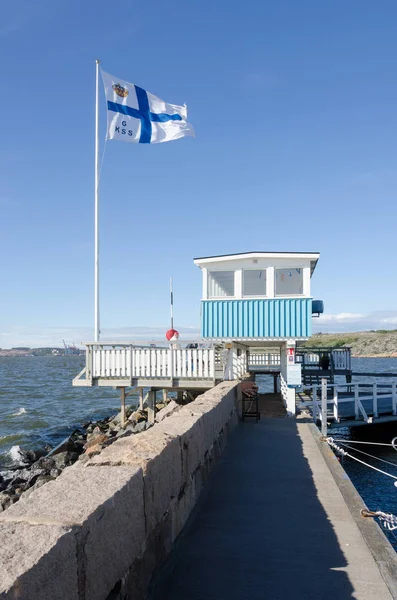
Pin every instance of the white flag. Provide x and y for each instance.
(135, 115)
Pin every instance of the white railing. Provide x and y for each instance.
(264, 359)
(341, 358)
(283, 389)
(337, 395)
(127, 361)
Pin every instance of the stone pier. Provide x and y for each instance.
(100, 529)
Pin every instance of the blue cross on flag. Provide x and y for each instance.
(135, 115)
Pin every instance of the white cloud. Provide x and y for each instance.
(355, 321)
(341, 317)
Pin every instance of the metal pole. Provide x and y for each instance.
(324, 399)
(172, 304)
(96, 242)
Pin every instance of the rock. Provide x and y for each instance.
(40, 482)
(54, 473)
(45, 463)
(171, 407)
(137, 416)
(34, 455)
(5, 501)
(141, 426)
(95, 441)
(160, 406)
(64, 459)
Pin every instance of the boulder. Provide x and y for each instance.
(168, 410)
(5, 501)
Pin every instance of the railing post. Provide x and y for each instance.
(140, 398)
(336, 412)
(88, 363)
(394, 397)
(356, 398)
(132, 362)
(314, 408)
(170, 363)
(375, 399)
(324, 399)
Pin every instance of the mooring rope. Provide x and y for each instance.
(389, 521)
(388, 462)
(343, 452)
(368, 443)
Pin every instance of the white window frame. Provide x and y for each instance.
(265, 295)
(301, 295)
(209, 273)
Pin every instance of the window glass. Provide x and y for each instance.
(289, 282)
(254, 282)
(220, 283)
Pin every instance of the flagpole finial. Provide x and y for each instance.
(97, 61)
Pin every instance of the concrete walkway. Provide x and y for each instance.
(272, 525)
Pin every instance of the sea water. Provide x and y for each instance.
(39, 407)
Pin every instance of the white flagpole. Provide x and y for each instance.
(172, 304)
(96, 243)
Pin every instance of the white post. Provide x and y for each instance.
(356, 398)
(96, 241)
(336, 415)
(375, 399)
(324, 399)
(151, 406)
(394, 397)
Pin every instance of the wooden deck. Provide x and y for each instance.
(127, 365)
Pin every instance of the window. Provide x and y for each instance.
(220, 283)
(254, 282)
(289, 282)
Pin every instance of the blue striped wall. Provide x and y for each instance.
(283, 317)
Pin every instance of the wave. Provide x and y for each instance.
(6, 439)
(21, 411)
(17, 456)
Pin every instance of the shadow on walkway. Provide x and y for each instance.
(259, 531)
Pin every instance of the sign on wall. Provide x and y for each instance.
(294, 375)
(290, 356)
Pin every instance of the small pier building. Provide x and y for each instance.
(254, 304)
(259, 303)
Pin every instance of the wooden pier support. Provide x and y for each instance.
(122, 402)
(151, 406)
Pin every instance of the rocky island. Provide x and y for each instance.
(371, 344)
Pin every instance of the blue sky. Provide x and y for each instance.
(294, 106)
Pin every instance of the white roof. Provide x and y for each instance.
(207, 260)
